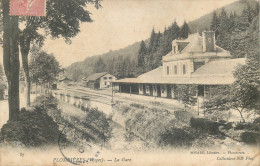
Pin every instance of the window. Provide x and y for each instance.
(154, 88)
(184, 69)
(147, 88)
(105, 83)
(110, 78)
(105, 78)
(168, 70)
(174, 49)
(162, 89)
(175, 69)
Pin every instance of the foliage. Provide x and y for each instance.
(176, 137)
(214, 24)
(237, 33)
(253, 126)
(206, 125)
(46, 102)
(250, 137)
(187, 93)
(141, 56)
(243, 94)
(184, 31)
(216, 106)
(183, 116)
(34, 128)
(245, 88)
(98, 120)
(1, 73)
(44, 68)
(99, 66)
(129, 55)
(149, 123)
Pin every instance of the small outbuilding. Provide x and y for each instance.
(99, 80)
(65, 81)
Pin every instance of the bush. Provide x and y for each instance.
(97, 121)
(46, 102)
(137, 105)
(34, 128)
(206, 125)
(183, 116)
(176, 137)
(255, 126)
(250, 137)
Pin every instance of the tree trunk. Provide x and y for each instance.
(11, 59)
(240, 112)
(36, 90)
(25, 47)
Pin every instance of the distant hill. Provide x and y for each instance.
(85, 68)
(203, 22)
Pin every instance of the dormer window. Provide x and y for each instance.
(174, 49)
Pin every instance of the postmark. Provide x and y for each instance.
(27, 7)
(76, 148)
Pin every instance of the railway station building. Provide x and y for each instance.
(196, 60)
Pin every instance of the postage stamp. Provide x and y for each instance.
(27, 7)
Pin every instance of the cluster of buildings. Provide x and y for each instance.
(196, 60)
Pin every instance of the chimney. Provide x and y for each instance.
(208, 41)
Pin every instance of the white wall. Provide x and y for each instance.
(105, 81)
(188, 65)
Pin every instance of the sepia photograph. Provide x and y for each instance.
(129, 83)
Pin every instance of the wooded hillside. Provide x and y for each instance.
(236, 26)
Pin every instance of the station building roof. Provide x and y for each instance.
(218, 72)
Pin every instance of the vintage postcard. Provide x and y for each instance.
(129, 82)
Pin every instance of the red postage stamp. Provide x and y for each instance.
(27, 7)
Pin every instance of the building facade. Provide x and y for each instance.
(99, 80)
(196, 60)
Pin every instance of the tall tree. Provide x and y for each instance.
(214, 24)
(99, 66)
(1, 73)
(184, 31)
(243, 94)
(186, 94)
(245, 88)
(223, 21)
(2, 83)
(11, 59)
(152, 48)
(62, 19)
(223, 39)
(44, 68)
(141, 56)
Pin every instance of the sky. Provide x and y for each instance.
(123, 22)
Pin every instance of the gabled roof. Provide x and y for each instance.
(95, 76)
(219, 67)
(196, 45)
(153, 73)
(65, 78)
